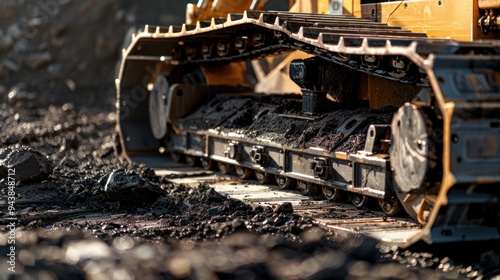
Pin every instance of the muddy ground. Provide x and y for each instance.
(78, 212)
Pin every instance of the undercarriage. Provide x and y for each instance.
(383, 113)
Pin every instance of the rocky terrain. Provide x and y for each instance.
(71, 209)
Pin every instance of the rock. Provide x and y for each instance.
(184, 222)
(238, 224)
(35, 23)
(7, 67)
(4, 152)
(10, 65)
(37, 60)
(6, 43)
(69, 162)
(285, 208)
(128, 187)
(213, 211)
(28, 137)
(15, 31)
(106, 150)
(71, 199)
(11, 139)
(54, 69)
(28, 164)
(23, 46)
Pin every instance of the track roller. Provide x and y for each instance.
(207, 163)
(360, 201)
(392, 207)
(191, 160)
(224, 168)
(307, 188)
(263, 177)
(243, 172)
(285, 183)
(333, 194)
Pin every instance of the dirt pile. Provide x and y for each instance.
(279, 119)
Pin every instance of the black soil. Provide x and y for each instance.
(279, 119)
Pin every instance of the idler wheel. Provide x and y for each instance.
(263, 177)
(412, 150)
(243, 173)
(158, 107)
(333, 194)
(284, 183)
(413, 155)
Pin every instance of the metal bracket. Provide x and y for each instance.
(232, 150)
(377, 139)
(321, 168)
(258, 155)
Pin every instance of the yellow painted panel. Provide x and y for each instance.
(449, 19)
(352, 7)
(311, 6)
(489, 4)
